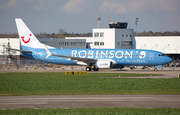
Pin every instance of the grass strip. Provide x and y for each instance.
(94, 111)
(91, 84)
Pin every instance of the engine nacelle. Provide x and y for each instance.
(103, 64)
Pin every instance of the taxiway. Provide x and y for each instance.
(77, 101)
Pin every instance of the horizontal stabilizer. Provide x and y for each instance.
(19, 50)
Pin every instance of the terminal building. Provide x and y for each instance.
(117, 36)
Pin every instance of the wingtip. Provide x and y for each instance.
(18, 19)
(47, 50)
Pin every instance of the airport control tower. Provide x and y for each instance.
(118, 25)
(117, 36)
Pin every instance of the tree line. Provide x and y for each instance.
(63, 34)
(151, 33)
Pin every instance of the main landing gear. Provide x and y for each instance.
(155, 69)
(91, 68)
(88, 69)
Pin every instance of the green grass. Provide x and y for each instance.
(94, 111)
(90, 84)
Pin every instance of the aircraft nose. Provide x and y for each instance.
(169, 59)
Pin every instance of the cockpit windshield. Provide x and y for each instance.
(162, 55)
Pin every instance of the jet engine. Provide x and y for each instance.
(103, 64)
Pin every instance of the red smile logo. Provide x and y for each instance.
(27, 40)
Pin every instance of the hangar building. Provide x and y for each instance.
(58, 43)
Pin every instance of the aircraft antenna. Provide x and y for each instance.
(98, 21)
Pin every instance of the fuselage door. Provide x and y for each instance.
(151, 56)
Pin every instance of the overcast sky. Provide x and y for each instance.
(80, 16)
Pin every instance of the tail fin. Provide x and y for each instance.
(27, 38)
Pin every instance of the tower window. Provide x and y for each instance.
(126, 43)
(101, 34)
(96, 34)
(96, 43)
(101, 43)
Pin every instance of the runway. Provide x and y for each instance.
(77, 101)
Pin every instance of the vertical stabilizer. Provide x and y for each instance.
(27, 38)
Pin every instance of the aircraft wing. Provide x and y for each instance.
(19, 50)
(85, 60)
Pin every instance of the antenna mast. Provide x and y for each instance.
(99, 22)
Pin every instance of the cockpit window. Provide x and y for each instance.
(162, 55)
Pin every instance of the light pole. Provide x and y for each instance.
(136, 24)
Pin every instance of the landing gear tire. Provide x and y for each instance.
(95, 69)
(155, 69)
(88, 69)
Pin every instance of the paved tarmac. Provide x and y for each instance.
(124, 70)
(78, 101)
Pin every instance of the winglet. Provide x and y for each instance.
(47, 51)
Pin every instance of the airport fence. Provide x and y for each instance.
(22, 63)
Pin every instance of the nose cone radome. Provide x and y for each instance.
(168, 59)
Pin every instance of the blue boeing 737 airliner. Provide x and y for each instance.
(93, 58)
